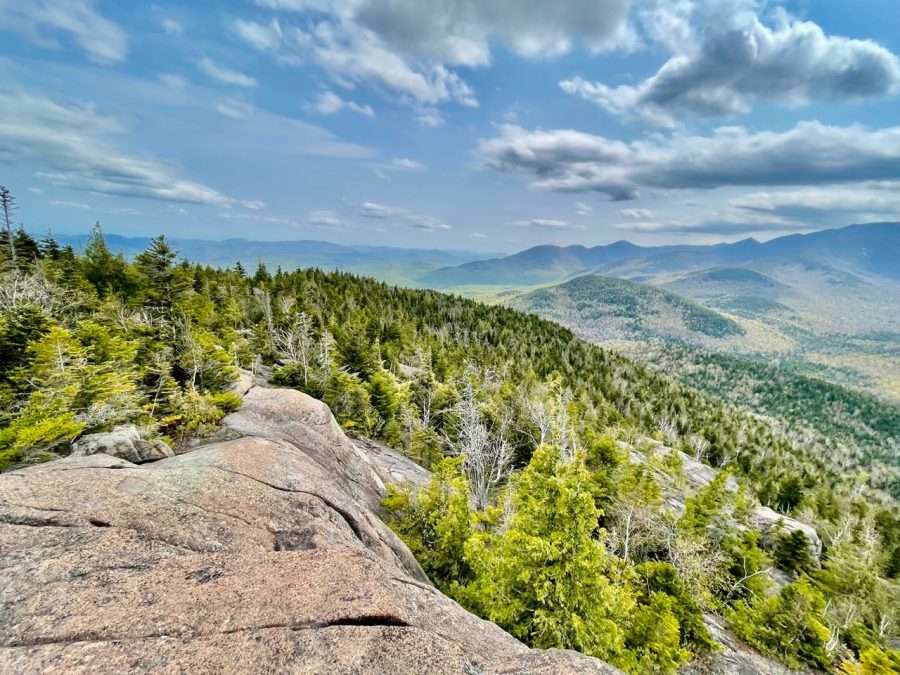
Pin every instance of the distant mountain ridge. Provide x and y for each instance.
(394, 265)
(872, 248)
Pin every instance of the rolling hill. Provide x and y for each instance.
(602, 309)
(702, 348)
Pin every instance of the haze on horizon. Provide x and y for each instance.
(454, 124)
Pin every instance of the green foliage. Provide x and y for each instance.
(790, 626)
(436, 523)
(873, 661)
(546, 578)
(101, 341)
(706, 506)
(792, 552)
(746, 565)
(44, 422)
(661, 578)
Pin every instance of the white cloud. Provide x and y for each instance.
(225, 75)
(172, 26)
(235, 109)
(735, 62)
(583, 209)
(325, 219)
(69, 205)
(265, 37)
(173, 81)
(398, 164)
(637, 214)
(74, 147)
(867, 201)
(406, 164)
(460, 32)
(413, 219)
(329, 103)
(548, 224)
(41, 20)
(809, 154)
(409, 48)
(429, 117)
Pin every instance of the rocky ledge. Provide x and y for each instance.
(262, 553)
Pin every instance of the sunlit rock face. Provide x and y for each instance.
(262, 553)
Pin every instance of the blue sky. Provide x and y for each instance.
(461, 124)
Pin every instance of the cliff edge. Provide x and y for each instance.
(262, 551)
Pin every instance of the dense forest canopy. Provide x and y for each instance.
(536, 518)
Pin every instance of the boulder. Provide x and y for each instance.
(698, 475)
(124, 442)
(245, 381)
(769, 522)
(263, 553)
(392, 466)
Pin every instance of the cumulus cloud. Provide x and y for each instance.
(459, 32)
(409, 48)
(74, 147)
(547, 224)
(41, 21)
(733, 66)
(225, 75)
(809, 154)
(416, 220)
(329, 103)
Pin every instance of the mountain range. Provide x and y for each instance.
(870, 249)
(394, 265)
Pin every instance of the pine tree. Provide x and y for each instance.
(165, 284)
(546, 578)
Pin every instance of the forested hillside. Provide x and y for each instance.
(852, 427)
(536, 517)
(605, 309)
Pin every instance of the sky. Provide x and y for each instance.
(488, 125)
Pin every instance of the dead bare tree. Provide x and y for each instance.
(7, 208)
(18, 288)
(296, 343)
(487, 457)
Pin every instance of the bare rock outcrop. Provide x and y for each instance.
(734, 657)
(124, 442)
(263, 553)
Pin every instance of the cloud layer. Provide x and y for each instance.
(419, 221)
(809, 154)
(409, 48)
(42, 21)
(73, 146)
